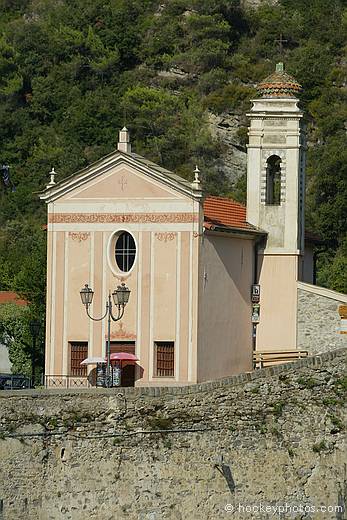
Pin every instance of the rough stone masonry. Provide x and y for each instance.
(236, 448)
(319, 322)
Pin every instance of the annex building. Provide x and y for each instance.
(189, 261)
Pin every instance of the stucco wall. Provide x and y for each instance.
(5, 364)
(318, 319)
(163, 301)
(224, 320)
(278, 302)
(270, 438)
(275, 129)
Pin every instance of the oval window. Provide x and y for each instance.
(125, 251)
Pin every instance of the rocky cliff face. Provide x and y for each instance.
(225, 128)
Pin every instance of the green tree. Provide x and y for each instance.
(15, 335)
(169, 129)
(332, 268)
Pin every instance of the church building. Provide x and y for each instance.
(190, 262)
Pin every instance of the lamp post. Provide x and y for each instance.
(120, 298)
(34, 330)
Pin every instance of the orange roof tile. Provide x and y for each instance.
(11, 297)
(221, 211)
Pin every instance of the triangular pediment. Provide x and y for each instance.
(122, 182)
(121, 176)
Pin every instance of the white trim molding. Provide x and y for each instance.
(151, 312)
(53, 298)
(323, 291)
(190, 310)
(178, 307)
(91, 284)
(65, 367)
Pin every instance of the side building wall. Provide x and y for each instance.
(277, 275)
(224, 318)
(5, 363)
(319, 322)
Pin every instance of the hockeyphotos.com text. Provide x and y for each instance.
(261, 508)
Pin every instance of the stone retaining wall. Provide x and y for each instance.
(269, 438)
(318, 319)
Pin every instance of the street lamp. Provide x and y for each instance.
(34, 326)
(120, 298)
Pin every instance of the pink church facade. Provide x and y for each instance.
(189, 286)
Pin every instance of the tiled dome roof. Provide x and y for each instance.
(279, 84)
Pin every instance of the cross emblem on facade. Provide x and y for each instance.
(122, 182)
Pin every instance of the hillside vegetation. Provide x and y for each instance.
(72, 72)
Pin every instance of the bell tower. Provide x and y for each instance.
(275, 203)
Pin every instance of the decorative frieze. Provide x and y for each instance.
(79, 236)
(122, 333)
(117, 218)
(166, 236)
(121, 278)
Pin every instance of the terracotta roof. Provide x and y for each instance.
(11, 297)
(279, 84)
(223, 212)
(220, 211)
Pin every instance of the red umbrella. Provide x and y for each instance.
(123, 356)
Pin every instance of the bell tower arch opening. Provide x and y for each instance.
(273, 181)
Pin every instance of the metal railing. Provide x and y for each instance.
(67, 381)
(14, 382)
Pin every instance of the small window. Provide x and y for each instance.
(125, 251)
(164, 355)
(273, 181)
(78, 352)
